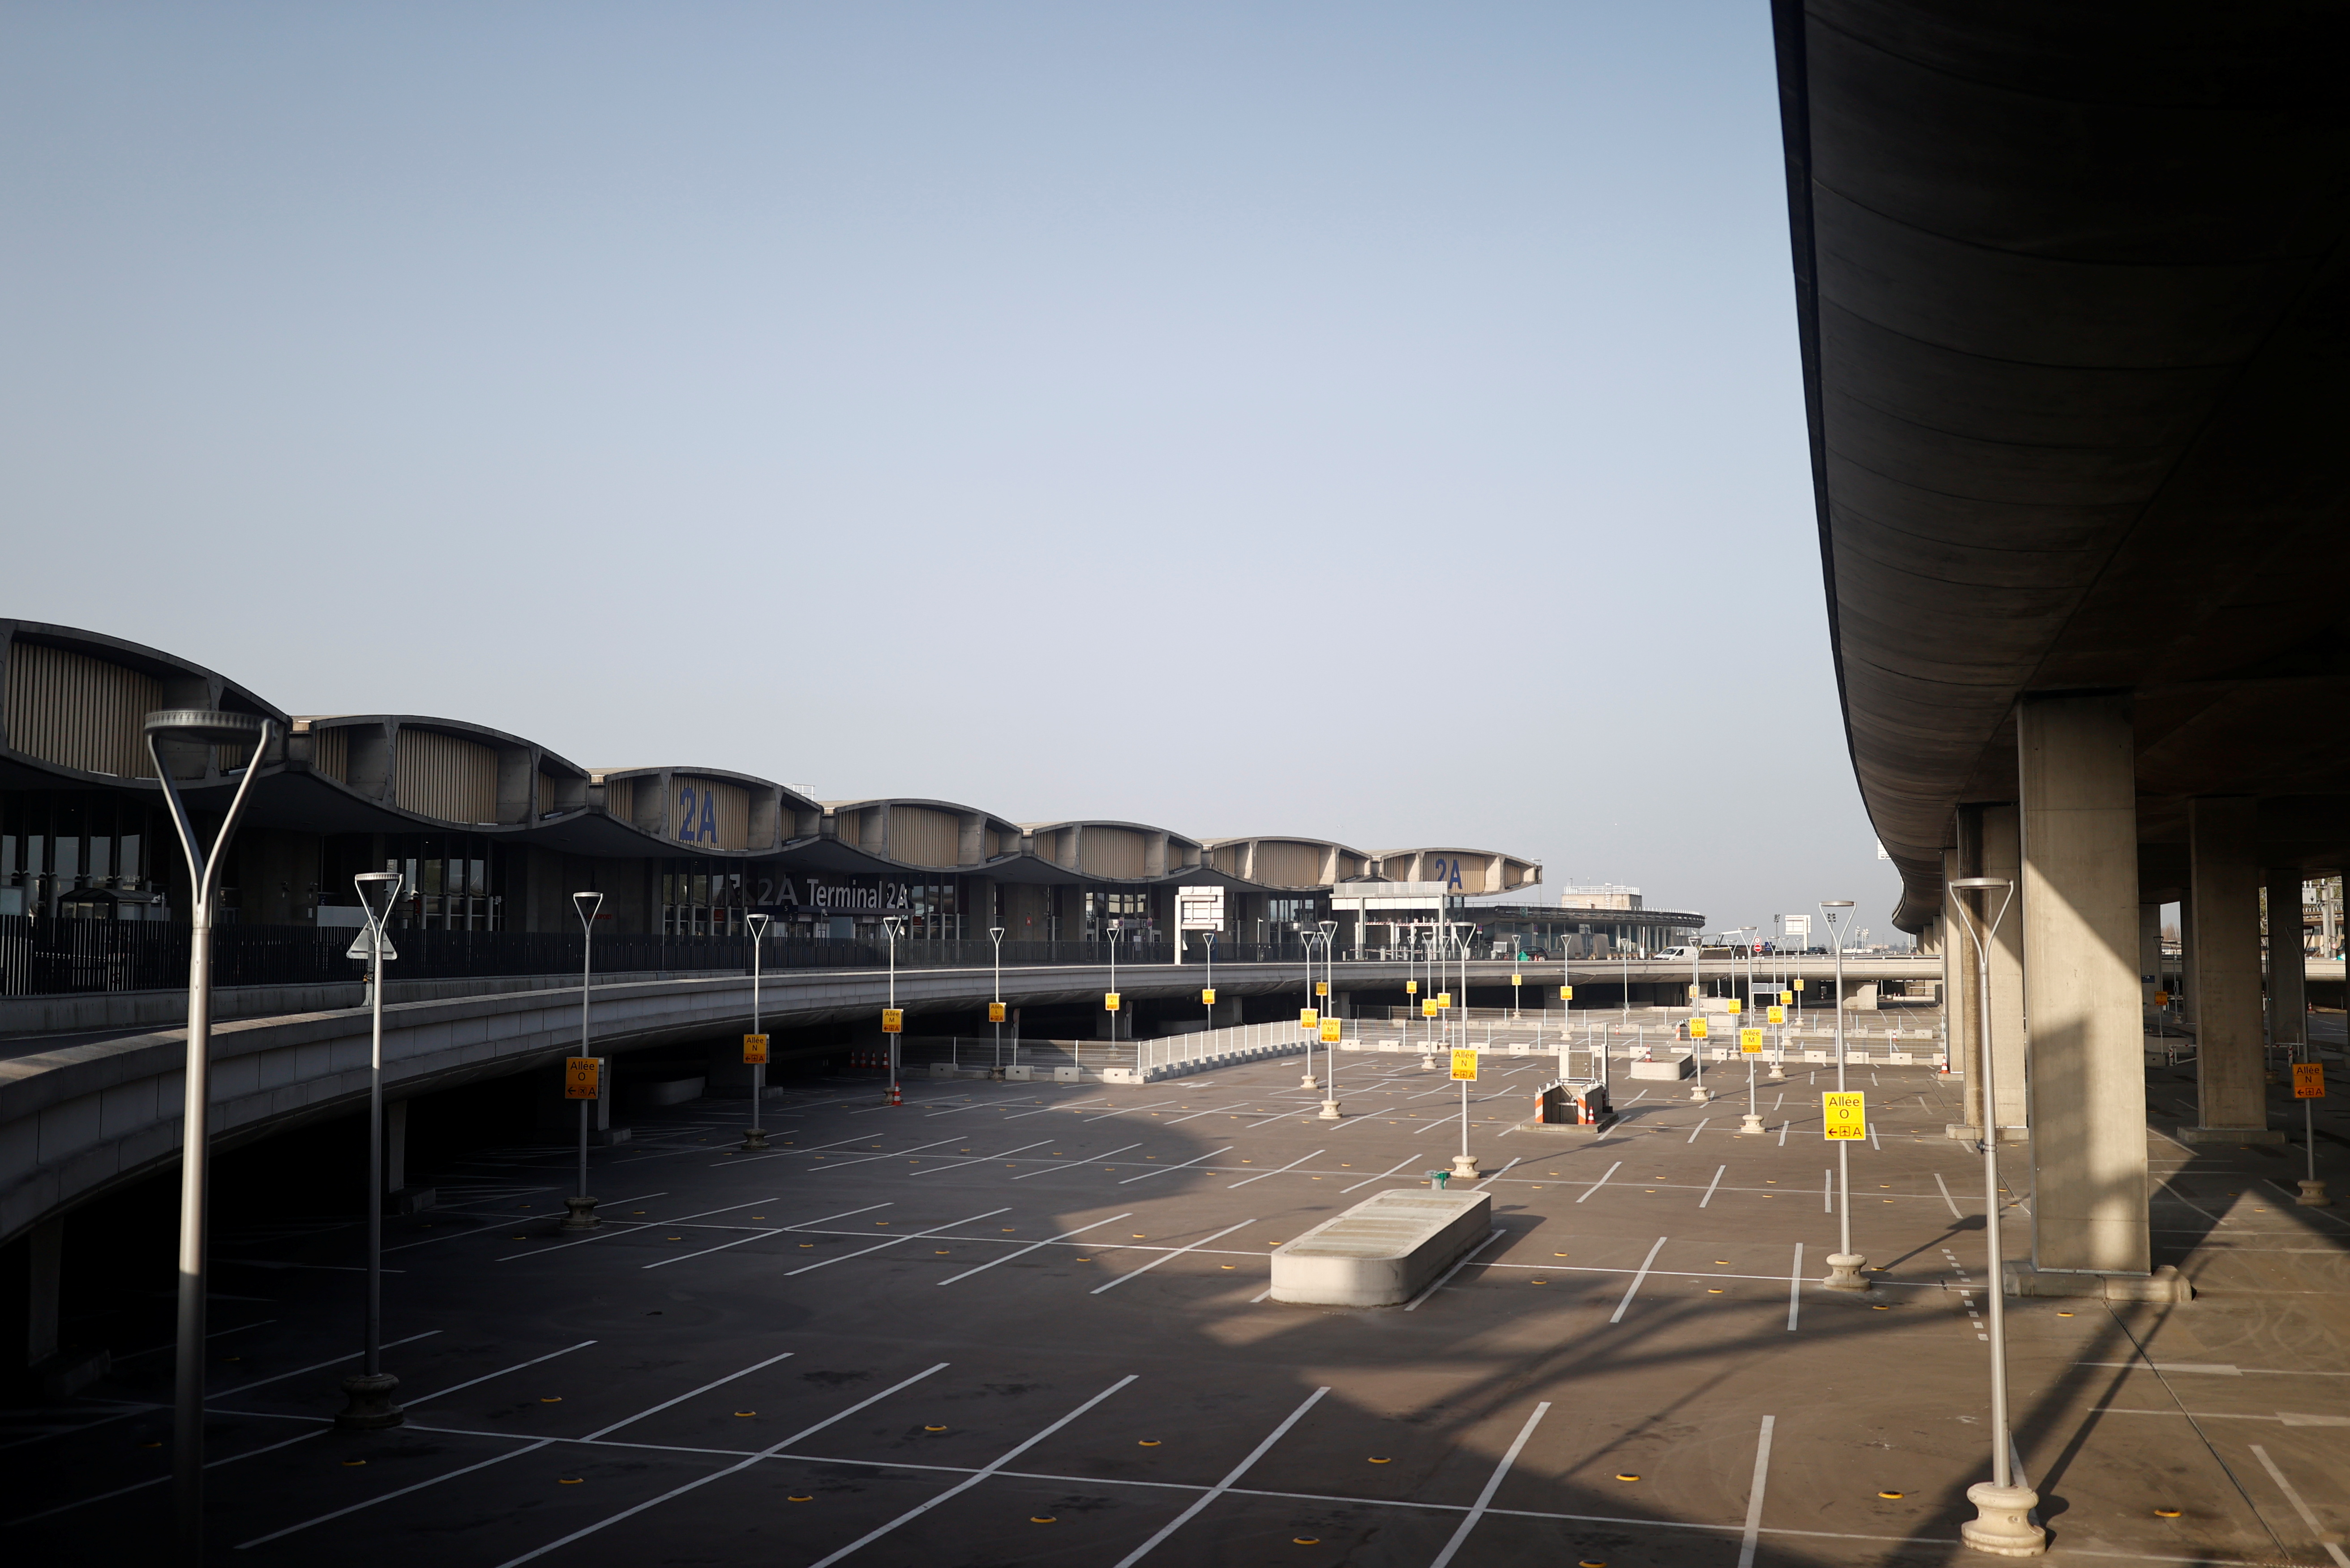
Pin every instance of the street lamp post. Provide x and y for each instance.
(1844, 1266)
(582, 1208)
(1306, 941)
(996, 1003)
(1330, 1112)
(203, 727)
(756, 1136)
(370, 1392)
(2003, 1504)
(893, 924)
(1752, 1122)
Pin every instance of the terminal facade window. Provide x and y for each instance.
(702, 897)
(449, 881)
(80, 855)
(1131, 910)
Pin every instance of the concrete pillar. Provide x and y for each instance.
(2077, 788)
(2288, 970)
(2149, 950)
(395, 1146)
(2186, 994)
(2224, 868)
(48, 1249)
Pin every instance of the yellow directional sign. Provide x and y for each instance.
(1109, 1002)
(1464, 1065)
(1845, 1114)
(1321, 988)
(995, 1012)
(893, 1020)
(583, 1077)
(1695, 992)
(1750, 1042)
(755, 1050)
(1428, 1007)
(1208, 997)
(1517, 980)
(1566, 993)
(1697, 1028)
(1330, 1031)
(1411, 988)
(1786, 999)
(2308, 1080)
(2162, 999)
(1777, 1015)
(1443, 999)
(1736, 1005)
(1307, 1018)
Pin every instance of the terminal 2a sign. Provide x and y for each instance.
(837, 895)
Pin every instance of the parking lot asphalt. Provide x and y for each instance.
(1026, 1324)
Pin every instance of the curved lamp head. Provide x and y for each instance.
(995, 933)
(1985, 884)
(378, 889)
(895, 924)
(587, 904)
(758, 924)
(204, 726)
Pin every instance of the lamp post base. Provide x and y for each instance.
(1330, 1110)
(370, 1408)
(1751, 1123)
(2002, 1527)
(1464, 1168)
(1428, 1063)
(1309, 1082)
(582, 1217)
(2312, 1194)
(1844, 1271)
(755, 1139)
(1699, 1095)
(1777, 1075)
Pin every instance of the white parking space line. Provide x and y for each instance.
(1796, 1288)
(1187, 1164)
(159, 1480)
(1211, 1111)
(1602, 1181)
(628, 1227)
(1827, 1192)
(461, 1235)
(1503, 1171)
(1163, 1257)
(1634, 1288)
(1075, 1163)
(1278, 1115)
(744, 1464)
(1711, 1185)
(487, 1377)
(1783, 1133)
(1072, 1105)
(1946, 1192)
(831, 1165)
(1292, 1165)
(1492, 1484)
(762, 1235)
(982, 1159)
(908, 1236)
(1382, 1176)
(1223, 1486)
(527, 1448)
(1034, 1245)
(1123, 1109)
(964, 1485)
(1754, 1535)
(316, 1366)
(2316, 1531)
(1697, 1130)
(1446, 1278)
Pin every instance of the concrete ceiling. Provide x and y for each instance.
(2076, 352)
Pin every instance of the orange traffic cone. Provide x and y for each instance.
(896, 1098)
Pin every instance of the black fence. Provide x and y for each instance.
(46, 957)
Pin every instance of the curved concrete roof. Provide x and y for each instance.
(75, 697)
(1495, 871)
(2070, 299)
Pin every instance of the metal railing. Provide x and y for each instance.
(42, 956)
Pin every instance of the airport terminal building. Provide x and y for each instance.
(493, 832)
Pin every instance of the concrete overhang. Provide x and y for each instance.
(2070, 300)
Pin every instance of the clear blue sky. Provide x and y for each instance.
(1367, 420)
